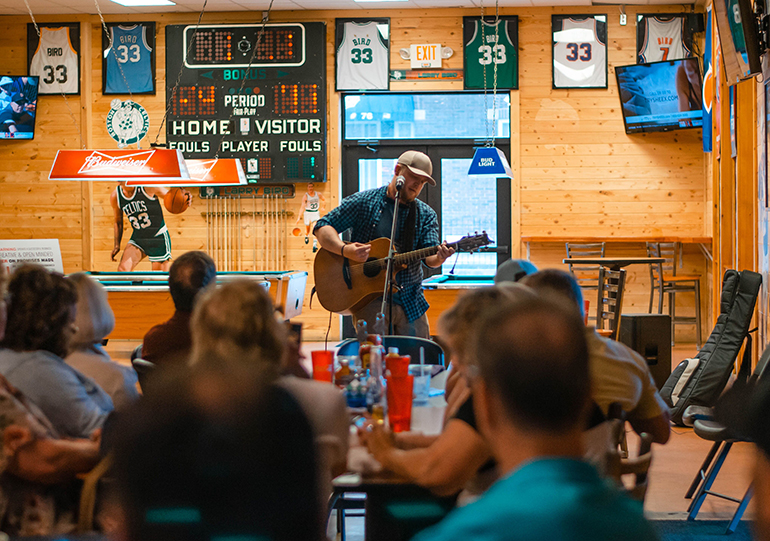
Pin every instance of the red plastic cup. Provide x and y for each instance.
(399, 394)
(398, 366)
(323, 362)
(586, 305)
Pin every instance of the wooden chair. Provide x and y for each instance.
(587, 276)
(663, 279)
(610, 300)
(638, 467)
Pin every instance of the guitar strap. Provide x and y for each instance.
(407, 243)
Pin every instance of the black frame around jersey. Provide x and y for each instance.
(556, 26)
(512, 26)
(33, 40)
(642, 26)
(339, 25)
(149, 33)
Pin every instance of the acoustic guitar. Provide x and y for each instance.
(344, 286)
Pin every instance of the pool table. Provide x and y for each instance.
(442, 291)
(141, 300)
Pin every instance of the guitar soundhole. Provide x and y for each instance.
(371, 268)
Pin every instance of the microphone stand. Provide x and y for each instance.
(387, 294)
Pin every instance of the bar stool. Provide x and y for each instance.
(587, 276)
(663, 279)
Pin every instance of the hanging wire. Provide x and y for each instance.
(179, 75)
(112, 50)
(493, 121)
(61, 89)
(243, 79)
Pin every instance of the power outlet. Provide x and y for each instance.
(623, 19)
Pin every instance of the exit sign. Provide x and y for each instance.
(425, 56)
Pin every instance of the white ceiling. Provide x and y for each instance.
(51, 7)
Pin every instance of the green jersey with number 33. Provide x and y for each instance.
(488, 49)
(144, 212)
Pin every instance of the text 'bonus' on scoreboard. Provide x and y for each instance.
(265, 102)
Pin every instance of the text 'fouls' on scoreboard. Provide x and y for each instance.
(271, 114)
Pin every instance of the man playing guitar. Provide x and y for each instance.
(369, 215)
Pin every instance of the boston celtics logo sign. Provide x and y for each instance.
(127, 122)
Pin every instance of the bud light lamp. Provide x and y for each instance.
(490, 161)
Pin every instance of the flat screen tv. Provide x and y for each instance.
(739, 38)
(18, 106)
(661, 96)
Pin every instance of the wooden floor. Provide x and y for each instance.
(673, 468)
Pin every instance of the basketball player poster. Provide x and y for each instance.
(579, 51)
(128, 59)
(363, 57)
(662, 36)
(491, 49)
(54, 56)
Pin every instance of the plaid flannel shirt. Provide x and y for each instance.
(361, 213)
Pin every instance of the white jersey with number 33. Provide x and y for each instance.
(362, 58)
(56, 62)
(579, 56)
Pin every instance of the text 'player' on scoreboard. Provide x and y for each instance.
(222, 127)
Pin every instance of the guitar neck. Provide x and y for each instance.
(416, 255)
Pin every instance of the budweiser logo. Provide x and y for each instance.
(200, 169)
(133, 163)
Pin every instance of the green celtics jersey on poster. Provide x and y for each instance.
(492, 45)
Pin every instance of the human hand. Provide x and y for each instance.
(356, 251)
(188, 197)
(15, 436)
(114, 252)
(444, 251)
(379, 442)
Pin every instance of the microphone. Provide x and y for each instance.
(399, 182)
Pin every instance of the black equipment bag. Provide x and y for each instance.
(699, 381)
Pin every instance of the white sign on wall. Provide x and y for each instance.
(425, 55)
(43, 252)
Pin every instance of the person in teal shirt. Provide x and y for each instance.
(531, 395)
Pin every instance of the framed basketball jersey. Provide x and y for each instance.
(363, 57)
(128, 58)
(662, 36)
(491, 51)
(579, 51)
(54, 56)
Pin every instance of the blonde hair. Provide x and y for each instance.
(461, 319)
(94, 317)
(236, 323)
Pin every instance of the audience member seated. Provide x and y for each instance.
(459, 457)
(216, 454)
(169, 343)
(41, 322)
(744, 409)
(236, 324)
(95, 320)
(32, 460)
(531, 397)
(618, 374)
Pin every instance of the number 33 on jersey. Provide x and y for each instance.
(56, 62)
(489, 46)
(362, 58)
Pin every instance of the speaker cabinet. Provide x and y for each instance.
(650, 336)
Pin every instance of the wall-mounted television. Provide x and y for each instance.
(18, 106)
(739, 37)
(661, 96)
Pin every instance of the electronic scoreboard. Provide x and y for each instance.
(276, 123)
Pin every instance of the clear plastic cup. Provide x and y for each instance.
(421, 374)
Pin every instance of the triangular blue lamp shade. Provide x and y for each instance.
(490, 161)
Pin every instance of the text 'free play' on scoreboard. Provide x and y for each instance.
(265, 107)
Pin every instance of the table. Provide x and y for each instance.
(613, 263)
(141, 300)
(396, 509)
(442, 291)
(703, 242)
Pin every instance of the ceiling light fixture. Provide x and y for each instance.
(144, 3)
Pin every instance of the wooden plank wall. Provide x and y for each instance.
(576, 172)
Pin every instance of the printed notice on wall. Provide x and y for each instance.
(43, 252)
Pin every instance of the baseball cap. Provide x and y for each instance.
(514, 270)
(418, 163)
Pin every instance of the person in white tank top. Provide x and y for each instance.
(310, 210)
